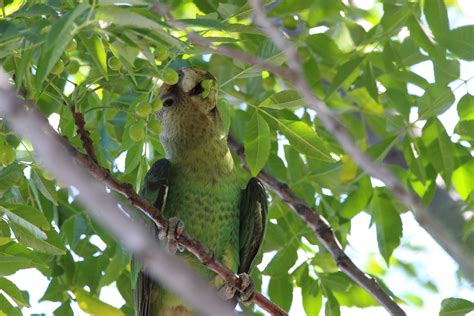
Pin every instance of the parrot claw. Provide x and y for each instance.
(172, 233)
(246, 296)
(227, 291)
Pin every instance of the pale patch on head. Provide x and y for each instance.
(191, 76)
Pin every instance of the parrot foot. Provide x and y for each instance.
(246, 296)
(172, 233)
(227, 291)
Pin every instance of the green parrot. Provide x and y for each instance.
(197, 184)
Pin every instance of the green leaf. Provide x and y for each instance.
(312, 298)
(459, 41)
(447, 70)
(8, 308)
(115, 268)
(280, 291)
(455, 307)
(337, 281)
(463, 179)
(10, 176)
(11, 264)
(388, 224)
(51, 245)
(440, 149)
(416, 165)
(126, 17)
(346, 74)
(437, 17)
(92, 305)
(74, 227)
(282, 261)
(357, 200)
(305, 139)
(58, 38)
(134, 155)
(9, 288)
(436, 100)
(28, 217)
(332, 307)
(283, 100)
(46, 187)
(64, 310)
(466, 108)
(97, 52)
(257, 143)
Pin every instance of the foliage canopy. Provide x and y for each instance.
(107, 59)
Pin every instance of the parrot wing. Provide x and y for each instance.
(253, 215)
(154, 190)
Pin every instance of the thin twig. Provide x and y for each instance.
(324, 233)
(83, 133)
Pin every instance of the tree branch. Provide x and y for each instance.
(171, 272)
(324, 233)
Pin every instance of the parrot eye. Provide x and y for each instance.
(198, 89)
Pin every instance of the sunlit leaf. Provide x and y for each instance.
(257, 143)
(92, 305)
(388, 224)
(455, 307)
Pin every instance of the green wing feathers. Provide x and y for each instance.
(253, 216)
(154, 190)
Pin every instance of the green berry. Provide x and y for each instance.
(47, 175)
(7, 155)
(290, 22)
(161, 53)
(170, 76)
(143, 109)
(71, 46)
(154, 126)
(58, 68)
(206, 86)
(114, 63)
(269, 83)
(136, 132)
(73, 67)
(157, 105)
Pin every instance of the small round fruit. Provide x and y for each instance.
(154, 126)
(290, 22)
(143, 109)
(114, 63)
(47, 175)
(136, 132)
(269, 83)
(170, 76)
(157, 105)
(73, 67)
(7, 155)
(58, 68)
(161, 53)
(71, 46)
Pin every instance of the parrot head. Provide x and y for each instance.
(189, 115)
